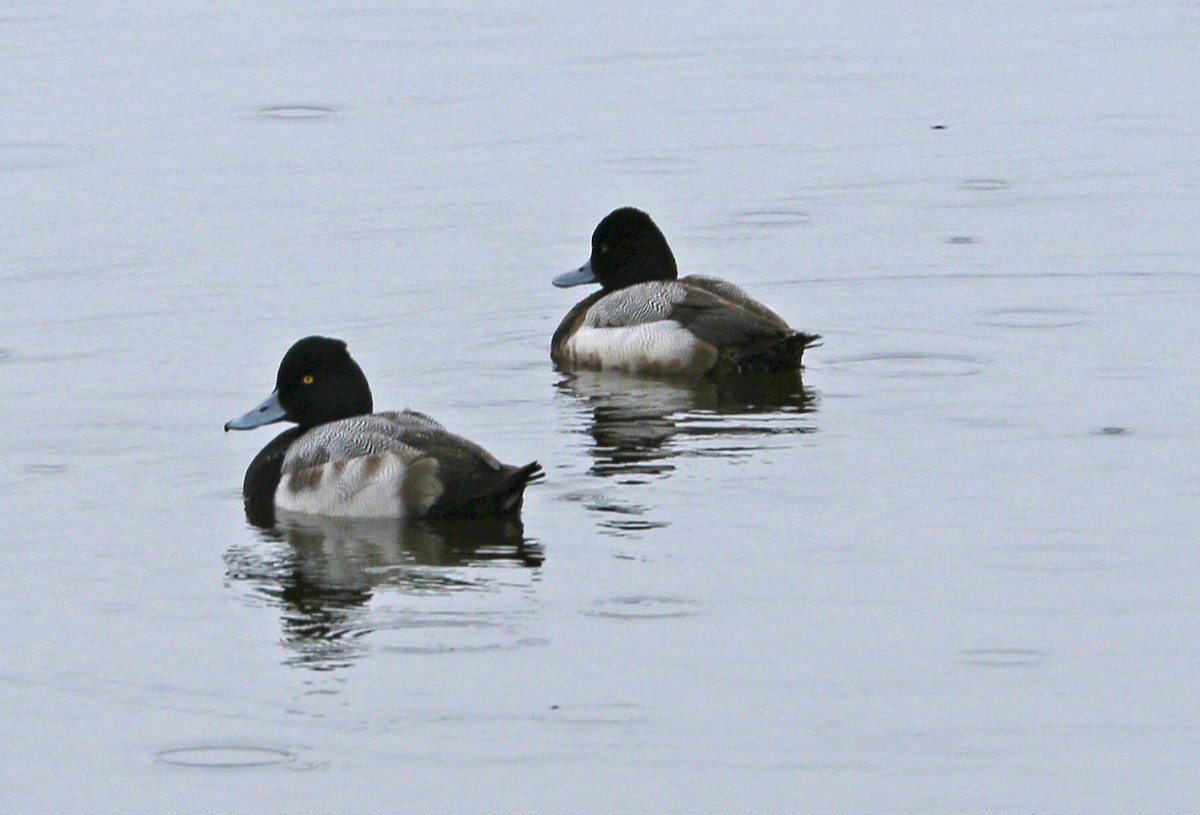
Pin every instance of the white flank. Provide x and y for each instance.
(663, 346)
(347, 491)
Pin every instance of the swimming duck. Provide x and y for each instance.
(647, 319)
(344, 460)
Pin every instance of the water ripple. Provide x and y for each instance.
(643, 607)
(1033, 318)
(771, 218)
(911, 365)
(1001, 657)
(41, 468)
(437, 648)
(224, 757)
(984, 184)
(651, 163)
(295, 112)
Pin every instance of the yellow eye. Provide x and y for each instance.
(307, 379)
(603, 248)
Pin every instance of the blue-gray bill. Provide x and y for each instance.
(268, 411)
(575, 277)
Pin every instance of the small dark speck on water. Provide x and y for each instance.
(1115, 431)
(938, 127)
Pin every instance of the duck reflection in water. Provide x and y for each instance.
(639, 425)
(330, 570)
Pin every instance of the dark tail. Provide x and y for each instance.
(511, 493)
(784, 354)
(528, 474)
(495, 493)
(800, 341)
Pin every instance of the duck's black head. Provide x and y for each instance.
(627, 248)
(318, 382)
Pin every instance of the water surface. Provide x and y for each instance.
(953, 569)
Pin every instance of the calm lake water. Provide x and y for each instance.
(954, 570)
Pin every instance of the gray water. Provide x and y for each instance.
(956, 571)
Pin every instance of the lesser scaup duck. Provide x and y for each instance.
(647, 319)
(344, 460)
